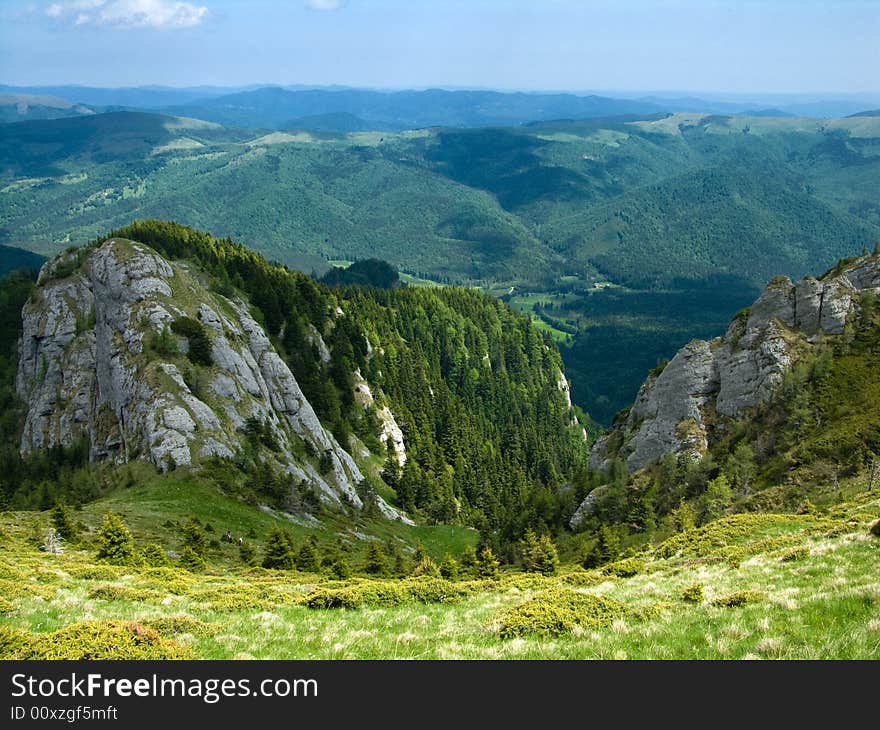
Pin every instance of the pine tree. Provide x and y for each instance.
(716, 500)
(449, 568)
(546, 558)
(339, 568)
(62, 523)
(191, 560)
(194, 538)
(247, 553)
(487, 563)
(683, 517)
(279, 552)
(115, 543)
(606, 549)
(469, 560)
(377, 560)
(307, 559)
(154, 555)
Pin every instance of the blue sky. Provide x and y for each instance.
(742, 46)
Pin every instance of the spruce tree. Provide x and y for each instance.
(487, 563)
(247, 553)
(307, 559)
(115, 543)
(449, 568)
(279, 552)
(376, 560)
(194, 538)
(62, 523)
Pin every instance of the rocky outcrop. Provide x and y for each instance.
(99, 361)
(706, 382)
(390, 434)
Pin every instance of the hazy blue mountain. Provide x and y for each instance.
(24, 107)
(275, 107)
(331, 122)
(144, 97)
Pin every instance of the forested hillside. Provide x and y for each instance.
(667, 209)
(479, 394)
(13, 259)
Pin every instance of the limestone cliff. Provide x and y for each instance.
(705, 383)
(99, 359)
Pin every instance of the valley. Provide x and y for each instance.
(685, 215)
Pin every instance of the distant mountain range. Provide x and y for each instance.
(339, 109)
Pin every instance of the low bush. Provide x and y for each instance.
(625, 568)
(693, 593)
(99, 640)
(798, 553)
(112, 592)
(12, 641)
(181, 624)
(738, 599)
(557, 611)
(728, 532)
(584, 578)
(96, 572)
(391, 593)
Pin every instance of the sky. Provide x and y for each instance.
(726, 46)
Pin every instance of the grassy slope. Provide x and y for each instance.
(823, 604)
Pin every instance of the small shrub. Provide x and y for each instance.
(583, 578)
(112, 592)
(798, 553)
(95, 572)
(557, 611)
(100, 640)
(6, 606)
(427, 567)
(181, 624)
(693, 593)
(625, 568)
(12, 641)
(738, 599)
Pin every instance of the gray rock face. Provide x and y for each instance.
(87, 370)
(674, 411)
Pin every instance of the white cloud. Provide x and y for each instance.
(156, 14)
(325, 5)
